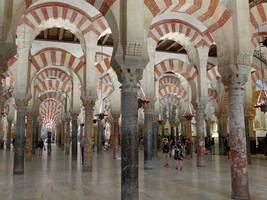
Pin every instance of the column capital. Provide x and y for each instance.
(129, 78)
(116, 115)
(21, 105)
(89, 102)
(74, 116)
(149, 108)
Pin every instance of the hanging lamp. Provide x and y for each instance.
(188, 113)
(142, 100)
(161, 120)
(101, 115)
(262, 98)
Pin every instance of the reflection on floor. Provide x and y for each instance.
(60, 178)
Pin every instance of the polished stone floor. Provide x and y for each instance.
(60, 178)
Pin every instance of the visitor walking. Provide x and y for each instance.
(40, 147)
(166, 150)
(178, 156)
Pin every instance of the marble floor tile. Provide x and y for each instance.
(58, 177)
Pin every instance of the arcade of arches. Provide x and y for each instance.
(116, 77)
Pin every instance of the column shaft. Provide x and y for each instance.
(115, 135)
(99, 136)
(67, 136)
(88, 134)
(9, 135)
(20, 138)
(148, 139)
(200, 118)
(129, 143)
(29, 138)
(74, 138)
(239, 170)
(63, 135)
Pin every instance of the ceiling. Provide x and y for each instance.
(62, 35)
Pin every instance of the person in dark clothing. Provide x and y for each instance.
(49, 141)
(40, 147)
(166, 150)
(178, 156)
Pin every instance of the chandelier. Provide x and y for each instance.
(101, 115)
(188, 113)
(142, 100)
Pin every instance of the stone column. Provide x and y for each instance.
(99, 136)
(222, 128)
(88, 134)
(63, 135)
(247, 128)
(67, 137)
(172, 131)
(155, 128)
(35, 136)
(239, 170)
(8, 145)
(20, 137)
(116, 117)
(148, 109)
(74, 137)
(29, 137)
(129, 136)
(200, 118)
(188, 130)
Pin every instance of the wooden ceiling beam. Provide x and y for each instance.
(172, 45)
(61, 34)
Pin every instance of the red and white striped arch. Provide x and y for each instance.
(103, 66)
(48, 15)
(49, 110)
(103, 7)
(259, 75)
(100, 56)
(53, 79)
(213, 74)
(175, 66)
(52, 57)
(107, 87)
(53, 95)
(160, 30)
(211, 13)
(258, 15)
(170, 89)
(169, 80)
(53, 85)
(173, 99)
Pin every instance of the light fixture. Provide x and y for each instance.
(142, 100)
(188, 113)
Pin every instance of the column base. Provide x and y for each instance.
(201, 163)
(238, 197)
(148, 165)
(18, 171)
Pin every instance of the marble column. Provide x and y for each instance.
(88, 134)
(129, 138)
(200, 118)
(222, 129)
(172, 131)
(116, 117)
(188, 130)
(99, 136)
(63, 135)
(8, 145)
(67, 137)
(148, 109)
(239, 169)
(247, 128)
(29, 137)
(20, 137)
(155, 127)
(74, 137)
(35, 136)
